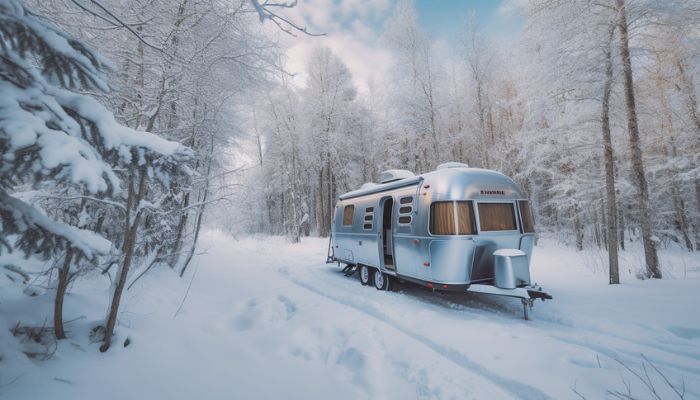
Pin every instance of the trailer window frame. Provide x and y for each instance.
(348, 216)
(516, 219)
(527, 219)
(455, 218)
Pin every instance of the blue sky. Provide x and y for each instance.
(445, 19)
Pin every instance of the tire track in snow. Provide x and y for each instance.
(517, 389)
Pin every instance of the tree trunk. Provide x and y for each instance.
(578, 226)
(177, 246)
(63, 280)
(129, 245)
(621, 229)
(680, 220)
(611, 200)
(691, 99)
(650, 255)
(320, 204)
(596, 229)
(200, 212)
(329, 199)
(604, 225)
(679, 204)
(200, 215)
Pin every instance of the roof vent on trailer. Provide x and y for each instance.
(452, 165)
(395, 175)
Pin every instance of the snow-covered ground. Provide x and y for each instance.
(265, 319)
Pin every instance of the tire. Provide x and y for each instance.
(381, 280)
(365, 275)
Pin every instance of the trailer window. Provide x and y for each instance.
(405, 210)
(465, 218)
(348, 213)
(452, 218)
(497, 217)
(369, 218)
(526, 217)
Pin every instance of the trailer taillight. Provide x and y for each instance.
(426, 264)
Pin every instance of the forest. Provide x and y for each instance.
(131, 128)
(594, 112)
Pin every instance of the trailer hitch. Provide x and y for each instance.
(535, 292)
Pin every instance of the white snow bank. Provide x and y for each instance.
(267, 319)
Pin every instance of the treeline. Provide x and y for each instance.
(594, 111)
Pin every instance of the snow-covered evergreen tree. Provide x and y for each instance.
(52, 132)
(49, 132)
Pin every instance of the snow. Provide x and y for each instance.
(368, 185)
(267, 319)
(118, 136)
(509, 253)
(452, 165)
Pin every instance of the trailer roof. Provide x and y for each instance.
(382, 187)
(459, 183)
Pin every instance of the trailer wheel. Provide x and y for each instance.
(382, 281)
(365, 275)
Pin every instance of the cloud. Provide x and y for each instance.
(512, 7)
(352, 29)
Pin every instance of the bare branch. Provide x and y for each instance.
(284, 24)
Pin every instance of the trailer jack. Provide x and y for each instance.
(527, 307)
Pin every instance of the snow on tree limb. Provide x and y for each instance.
(33, 228)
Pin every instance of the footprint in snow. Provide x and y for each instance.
(263, 314)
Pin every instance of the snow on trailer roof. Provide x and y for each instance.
(458, 175)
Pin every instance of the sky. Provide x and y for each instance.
(353, 29)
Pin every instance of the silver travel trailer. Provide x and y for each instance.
(455, 229)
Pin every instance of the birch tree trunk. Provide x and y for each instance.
(650, 255)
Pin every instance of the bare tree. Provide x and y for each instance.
(640, 180)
